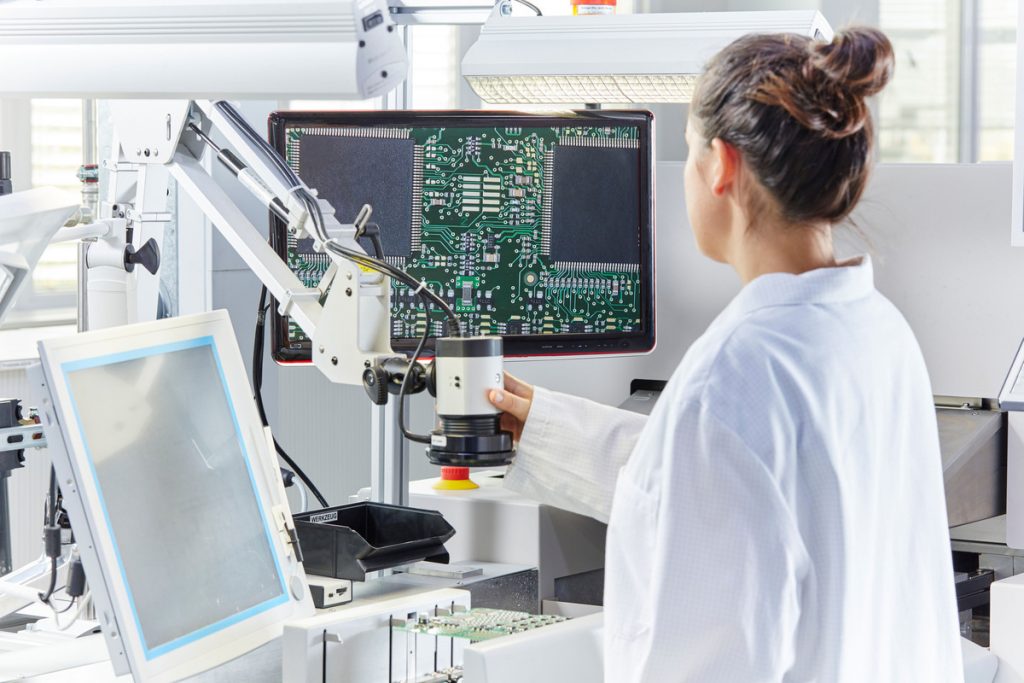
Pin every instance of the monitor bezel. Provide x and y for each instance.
(516, 346)
(82, 499)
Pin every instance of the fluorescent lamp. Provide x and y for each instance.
(611, 59)
(198, 49)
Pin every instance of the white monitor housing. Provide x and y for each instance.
(173, 491)
(200, 48)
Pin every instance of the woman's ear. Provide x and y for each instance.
(723, 167)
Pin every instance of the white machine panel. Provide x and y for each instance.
(494, 524)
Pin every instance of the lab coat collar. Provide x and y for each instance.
(821, 286)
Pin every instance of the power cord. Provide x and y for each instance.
(257, 386)
(51, 536)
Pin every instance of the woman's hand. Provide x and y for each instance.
(515, 402)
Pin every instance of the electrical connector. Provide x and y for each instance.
(51, 540)
(75, 586)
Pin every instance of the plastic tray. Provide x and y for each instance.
(349, 541)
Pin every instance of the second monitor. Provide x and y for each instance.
(538, 228)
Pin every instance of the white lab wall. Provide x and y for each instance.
(942, 238)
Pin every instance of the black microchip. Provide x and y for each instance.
(595, 211)
(514, 328)
(305, 246)
(577, 327)
(351, 171)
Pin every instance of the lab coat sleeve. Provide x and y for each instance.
(571, 452)
(715, 560)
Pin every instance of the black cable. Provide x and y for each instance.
(412, 436)
(70, 605)
(371, 231)
(454, 324)
(51, 536)
(45, 597)
(257, 385)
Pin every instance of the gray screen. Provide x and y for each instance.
(177, 491)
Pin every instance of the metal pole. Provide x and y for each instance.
(389, 476)
(970, 121)
(89, 155)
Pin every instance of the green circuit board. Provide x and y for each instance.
(478, 624)
(491, 219)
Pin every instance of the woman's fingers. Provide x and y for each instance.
(518, 387)
(516, 406)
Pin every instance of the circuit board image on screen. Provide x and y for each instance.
(535, 231)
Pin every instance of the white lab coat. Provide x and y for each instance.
(780, 516)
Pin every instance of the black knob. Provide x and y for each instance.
(375, 384)
(431, 379)
(148, 257)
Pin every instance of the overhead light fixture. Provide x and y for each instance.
(198, 50)
(612, 59)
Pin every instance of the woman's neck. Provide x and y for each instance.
(759, 250)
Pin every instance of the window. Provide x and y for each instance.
(997, 69)
(951, 98)
(56, 136)
(45, 141)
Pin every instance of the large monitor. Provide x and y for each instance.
(173, 492)
(535, 227)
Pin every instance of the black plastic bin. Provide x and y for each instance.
(348, 541)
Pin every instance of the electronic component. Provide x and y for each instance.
(477, 624)
(373, 170)
(538, 228)
(597, 212)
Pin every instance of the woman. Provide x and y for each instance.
(780, 515)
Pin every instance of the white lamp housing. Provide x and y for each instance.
(28, 221)
(197, 49)
(611, 59)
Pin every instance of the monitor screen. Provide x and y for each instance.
(538, 228)
(176, 490)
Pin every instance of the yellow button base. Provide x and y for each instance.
(457, 485)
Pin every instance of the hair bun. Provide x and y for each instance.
(859, 59)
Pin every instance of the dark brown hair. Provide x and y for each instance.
(795, 108)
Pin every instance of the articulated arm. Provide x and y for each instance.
(347, 315)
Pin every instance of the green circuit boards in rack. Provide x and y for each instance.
(477, 624)
(522, 230)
